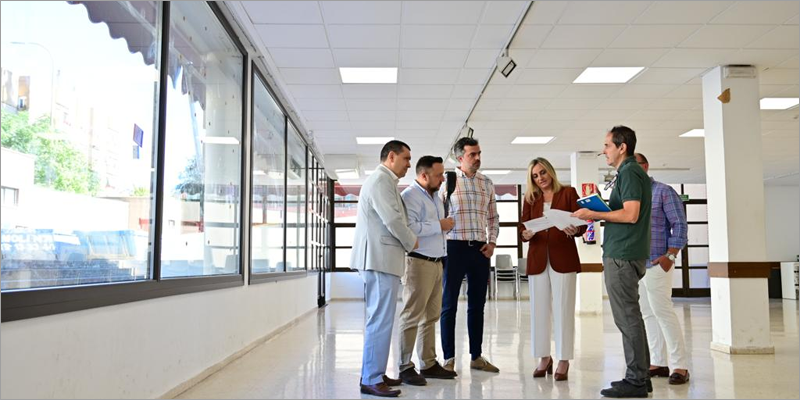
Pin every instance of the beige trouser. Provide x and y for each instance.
(422, 305)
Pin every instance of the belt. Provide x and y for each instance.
(426, 258)
(469, 243)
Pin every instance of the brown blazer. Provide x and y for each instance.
(563, 252)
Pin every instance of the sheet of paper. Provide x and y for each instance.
(538, 224)
(562, 219)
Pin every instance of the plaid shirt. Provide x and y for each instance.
(473, 207)
(668, 227)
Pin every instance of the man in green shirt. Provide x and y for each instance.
(626, 249)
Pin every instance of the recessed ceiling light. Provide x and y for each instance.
(347, 173)
(373, 140)
(219, 140)
(607, 74)
(695, 133)
(779, 103)
(368, 75)
(496, 171)
(532, 140)
(368, 171)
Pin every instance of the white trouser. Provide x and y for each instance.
(662, 325)
(551, 287)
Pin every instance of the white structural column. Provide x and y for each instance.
(736, 230)
(589, 298)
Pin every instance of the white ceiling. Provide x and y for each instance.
(445, 52)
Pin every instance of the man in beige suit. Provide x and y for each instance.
(382, 237)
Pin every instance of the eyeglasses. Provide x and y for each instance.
(611, 184)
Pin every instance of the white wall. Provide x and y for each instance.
(782, 219)
(143, 349)
(344, 286)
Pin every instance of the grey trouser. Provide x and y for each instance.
(622, 283)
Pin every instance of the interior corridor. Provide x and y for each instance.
(320, 357)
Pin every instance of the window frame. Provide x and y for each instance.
(37, 302)
(334, 225)
(15, 191)
(262, 277)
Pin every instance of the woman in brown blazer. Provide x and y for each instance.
(552, 268)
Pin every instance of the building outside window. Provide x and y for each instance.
(82, 139)
(10, 196)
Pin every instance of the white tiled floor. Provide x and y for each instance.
(321, 358)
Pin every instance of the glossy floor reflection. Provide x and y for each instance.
(321, 358)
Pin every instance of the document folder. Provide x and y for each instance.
(594, 202)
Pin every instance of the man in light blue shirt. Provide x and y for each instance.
(422, 291)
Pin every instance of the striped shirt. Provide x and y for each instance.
(473, 207)
(668, 227)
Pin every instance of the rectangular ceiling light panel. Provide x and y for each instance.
(368, 75)
(608, 74)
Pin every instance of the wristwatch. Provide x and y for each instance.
(671, 257)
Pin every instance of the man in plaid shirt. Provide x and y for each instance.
(470, 246)
(668, 235)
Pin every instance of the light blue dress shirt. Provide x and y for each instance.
(424, 213)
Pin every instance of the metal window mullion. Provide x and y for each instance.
(285, 186)
(251, 155)
(330, 227)
(246, 182)
(161, 141)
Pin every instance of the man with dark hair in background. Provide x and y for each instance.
(422, 290)
(381, 238)
(626, 249)
(470, 246)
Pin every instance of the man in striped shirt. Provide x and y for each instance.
(470, 246)
(668, 235)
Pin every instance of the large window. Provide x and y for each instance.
(202, 171)
(691, 278)
(269, 186)
(319, 208)
(78, 140)
(296, 202)
(346, 208)
(122, 159)
(508, 207)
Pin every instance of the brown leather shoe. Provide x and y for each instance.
(678, 379)
(380, 389)
(559, 376)
(411, 377)
(391, 382)
(437, 372)
(483, 365)
(660, 371)
(540, 373)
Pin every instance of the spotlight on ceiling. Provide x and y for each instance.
(505, 64)
(466, 131)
